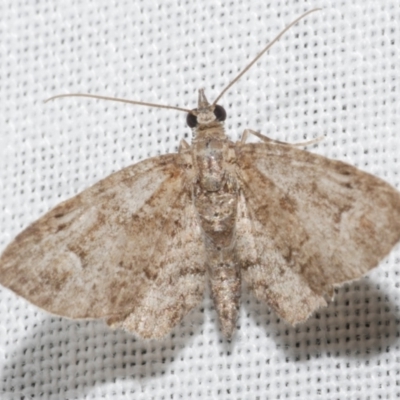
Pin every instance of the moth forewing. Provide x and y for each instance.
(322, 223)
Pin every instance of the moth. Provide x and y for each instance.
(137, 248)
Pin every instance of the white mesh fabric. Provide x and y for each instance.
(335, 74)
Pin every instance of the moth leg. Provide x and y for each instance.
(248, 132)
(308, 142)
(183, 145)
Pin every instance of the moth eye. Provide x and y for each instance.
(220, 113)
(191, 120)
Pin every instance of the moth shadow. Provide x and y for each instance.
(361, 321)
(64, 359)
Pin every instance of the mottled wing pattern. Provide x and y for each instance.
(128, 249)
(307, 224)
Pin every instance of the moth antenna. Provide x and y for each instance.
(269, 45)
(140, 103)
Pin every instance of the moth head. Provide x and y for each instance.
(205, 113)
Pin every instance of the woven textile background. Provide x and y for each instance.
(336, 74)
